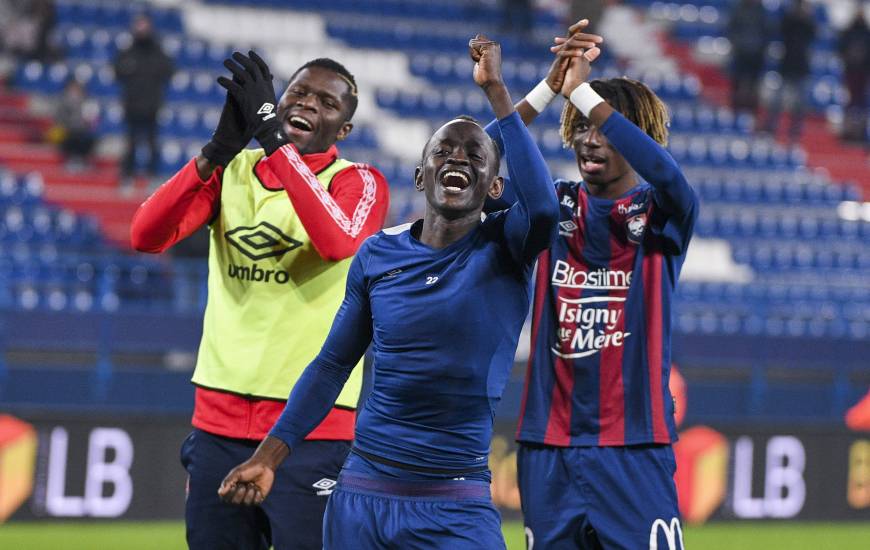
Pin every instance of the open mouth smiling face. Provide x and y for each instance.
(459, 166)
(454, 180)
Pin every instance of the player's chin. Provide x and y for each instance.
(304, 141)
(457, 206)
(594, 178)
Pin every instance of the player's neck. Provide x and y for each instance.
(441, 232)
(614, 189)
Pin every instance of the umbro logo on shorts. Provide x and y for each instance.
(263, 240)
(324, 486)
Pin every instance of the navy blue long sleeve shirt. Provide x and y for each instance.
(444, 324)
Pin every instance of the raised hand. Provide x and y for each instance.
(486, 55)
(252, 88)
(575, 44)
(580, 49)
(230, 136)
(247, 484)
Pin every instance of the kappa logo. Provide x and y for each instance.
(635, 226)
(324, 486)
(266, 109)
(673, 534)
(567, 201)
(260, 241)
(567, 227)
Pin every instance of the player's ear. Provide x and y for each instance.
(496, 188)
(418, 178)
(344, 131)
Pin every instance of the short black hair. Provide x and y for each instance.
(471, 119)
(340, 70)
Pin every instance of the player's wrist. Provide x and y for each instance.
(585, 98)
(219, 154)
(271, 452)
(271, 136)
(541, 96)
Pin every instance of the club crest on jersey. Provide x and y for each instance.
(634, 228)
(567, 201)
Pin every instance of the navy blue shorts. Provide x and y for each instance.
(373, 511)
(599, 497)
(291, 517)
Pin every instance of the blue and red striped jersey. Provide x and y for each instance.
(601, 321)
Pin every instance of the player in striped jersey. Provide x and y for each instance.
(595, 462)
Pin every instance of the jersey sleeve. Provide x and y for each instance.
(321, 382)
(532, 219)
(339, 219)
(672, 194)
(176, 210)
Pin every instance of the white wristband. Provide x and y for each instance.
(585, 98)
(540, 96)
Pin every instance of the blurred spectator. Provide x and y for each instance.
(26, 25)
(748, 33)
(855, 52)
(75, 120)
(143, 70)
(797, 30)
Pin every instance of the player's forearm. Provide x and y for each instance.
(178, 208)
(338, 220)
(499, 99)
(532, 184)
(649, 159)
(526, 111)
(271, 452)
(312, 398)
(204, 167)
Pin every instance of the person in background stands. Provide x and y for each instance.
(855, 52)
(797, 29)
(143, 71)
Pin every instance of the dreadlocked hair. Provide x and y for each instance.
(630, 97)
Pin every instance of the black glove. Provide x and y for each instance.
(252, 88)
(230, 136)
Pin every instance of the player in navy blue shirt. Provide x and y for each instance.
(595, 463)
(442, 301)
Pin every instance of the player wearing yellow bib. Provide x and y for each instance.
(284, 222)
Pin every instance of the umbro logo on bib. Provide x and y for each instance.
(260, 241)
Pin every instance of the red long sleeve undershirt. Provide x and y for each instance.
(337, 220)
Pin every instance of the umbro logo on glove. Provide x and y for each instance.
(251, 87)
(266, 109)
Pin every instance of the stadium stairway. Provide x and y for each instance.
(92, 190)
